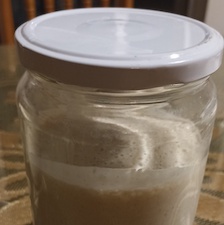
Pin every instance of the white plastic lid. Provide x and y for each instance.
(119, 48)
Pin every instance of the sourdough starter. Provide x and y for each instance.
(147, 172)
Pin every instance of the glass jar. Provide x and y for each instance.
(110, 143)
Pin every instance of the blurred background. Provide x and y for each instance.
(192, 8)
(215, 14)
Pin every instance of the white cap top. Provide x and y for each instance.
(118, 48)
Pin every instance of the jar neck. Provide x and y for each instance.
(152, 95)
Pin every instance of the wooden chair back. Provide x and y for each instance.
(7, 26)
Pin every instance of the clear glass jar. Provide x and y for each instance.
(137, 157)
(117, 111)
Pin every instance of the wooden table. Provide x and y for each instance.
(14, 197)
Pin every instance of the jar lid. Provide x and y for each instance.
(119, 48)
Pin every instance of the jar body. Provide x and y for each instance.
(128, 158)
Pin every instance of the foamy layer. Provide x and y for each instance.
(152, 143)
(102, 152)
(138, 143)
(116, 179)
